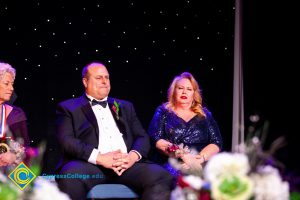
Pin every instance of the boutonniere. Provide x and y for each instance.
(116, 109)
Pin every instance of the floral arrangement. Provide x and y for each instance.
(9, 144)
(242, 175)
(37, 189)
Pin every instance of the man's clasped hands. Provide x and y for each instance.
(117, 161)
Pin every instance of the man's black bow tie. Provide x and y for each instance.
(102, 103)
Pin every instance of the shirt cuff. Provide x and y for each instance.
(93, 157)
(140, 156)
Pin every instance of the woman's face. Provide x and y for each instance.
(6, 87)
(184, 92)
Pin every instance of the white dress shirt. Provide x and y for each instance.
(110, 137)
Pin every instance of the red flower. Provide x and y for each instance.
(181, 183)
(204, 195)
(172, 148)
(116, 109)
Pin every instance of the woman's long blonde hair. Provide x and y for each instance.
(197, 102)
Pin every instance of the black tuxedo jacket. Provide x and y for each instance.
(78, 131)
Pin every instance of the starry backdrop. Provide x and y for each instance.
(144, 44)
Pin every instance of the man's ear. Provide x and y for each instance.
(84, 81)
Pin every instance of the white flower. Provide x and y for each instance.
(47, 190)
(269, 186)
(3, 178)
(226, 164)
(177, 194)
(236, 187)
(194, 181)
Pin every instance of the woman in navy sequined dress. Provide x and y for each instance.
(183, 120)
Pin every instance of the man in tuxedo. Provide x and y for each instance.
(102, 136)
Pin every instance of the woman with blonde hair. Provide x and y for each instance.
(183, 120)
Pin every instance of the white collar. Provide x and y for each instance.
(92, 98)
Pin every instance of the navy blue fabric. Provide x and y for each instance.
(103, 191)
(196, 133)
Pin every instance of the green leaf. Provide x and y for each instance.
(7, 193)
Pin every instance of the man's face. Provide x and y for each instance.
(97, 83)
(6, 87)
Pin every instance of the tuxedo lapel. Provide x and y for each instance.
(117, 116)
(87, 110)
